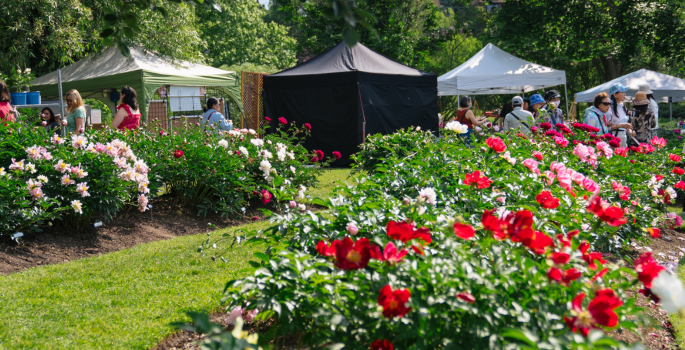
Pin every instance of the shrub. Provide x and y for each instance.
(492, 246)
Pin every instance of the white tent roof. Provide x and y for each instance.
(493, 71)
(662, 85)
(112, 62)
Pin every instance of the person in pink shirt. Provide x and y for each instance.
(5, 106)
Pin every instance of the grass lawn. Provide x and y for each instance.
(121, 300)
(125, 299)
(328, 180)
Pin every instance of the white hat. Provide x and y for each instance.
(517, 101)
(644, 88)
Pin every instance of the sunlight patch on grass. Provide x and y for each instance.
(121, 300)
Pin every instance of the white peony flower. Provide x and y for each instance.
(243, 150)
(428, 194)
(41, 178)
(670, 290)
(76, 204)
(265, 166)
(30, 167)
(457, 127)
(292, 168)
(257, 142)
(223, 143)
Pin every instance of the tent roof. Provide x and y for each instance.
(493, 71)
(112, 62)
(342, 58)
(662, 85)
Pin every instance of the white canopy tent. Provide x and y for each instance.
(492, 71)
(663, 86)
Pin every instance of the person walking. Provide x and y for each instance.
(618, 120)
(519, 119)
(643, 120)
(212, 116)
(5, 106)
(595, 115)
(76, 112)
(553, 99)
(128, 113)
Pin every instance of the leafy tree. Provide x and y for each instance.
(238, 35)
(589, 38)
(46, 35)
(406, 31)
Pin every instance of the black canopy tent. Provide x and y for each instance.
(326, 92)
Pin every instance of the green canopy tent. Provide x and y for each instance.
(144, 71)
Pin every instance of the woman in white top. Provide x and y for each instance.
(617, 117)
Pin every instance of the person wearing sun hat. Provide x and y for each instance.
(617, 117)
(643, 120)
(653, 105)
(540, 115)
(553, 99)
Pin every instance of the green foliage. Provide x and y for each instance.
(406, 31)
(593, 41)
(106, 113)
(238, 35)
(514, 301)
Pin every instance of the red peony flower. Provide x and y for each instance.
(510, 226)
(647, 269)
(632, 161)
(391, 255)
(464, 231)
(381, 345)
(496, 144)
(282, 120)
(612, 215)
(658, 141)
(308, 126)
(680, 185)
(654, 232)
(350, 255)
(678, 171)
(266, 197)
(475, 179)
(336, 154)
(405, 232)
(325, 249)
(674, 157)
(546, 200)
(535, 240)
(600, 312)
(546, 126)
(467, 297)
(591, 258)
(560, 259)
(563, 277)
(537, 155)
(394, 302)
(623, 191)
(267, 119)
(178, 153)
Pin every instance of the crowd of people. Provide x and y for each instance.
(608, 113)
(127, 116)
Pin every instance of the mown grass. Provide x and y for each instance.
(121, 300)
(125, 299)
(679, 320)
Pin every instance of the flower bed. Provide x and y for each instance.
(71, 180)
(494, 246)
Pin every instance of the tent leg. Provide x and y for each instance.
(566, 94)
(670, 102)
(61, 100)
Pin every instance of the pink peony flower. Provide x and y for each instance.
(531, 165)
(557, 167)
(590, 185)
(550, 176)
(576, 176)
(605, 149)
(561, 141)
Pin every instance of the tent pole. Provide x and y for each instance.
(566, 94)
(61, 99)
(364, 116)
(670, 102)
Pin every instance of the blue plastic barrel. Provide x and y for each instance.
(18, 98)
(33, 98)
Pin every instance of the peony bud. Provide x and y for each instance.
(351, 229)
(64, 122)
(292, 204)
(44, 123)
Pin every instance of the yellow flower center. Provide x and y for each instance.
(354, 256)
(393, 304)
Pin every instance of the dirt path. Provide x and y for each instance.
(57, 245)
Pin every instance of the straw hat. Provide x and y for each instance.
(645, 88)
(640, 99)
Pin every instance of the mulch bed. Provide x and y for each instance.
(167, 219)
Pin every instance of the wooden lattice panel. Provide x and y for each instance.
(251, 94)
